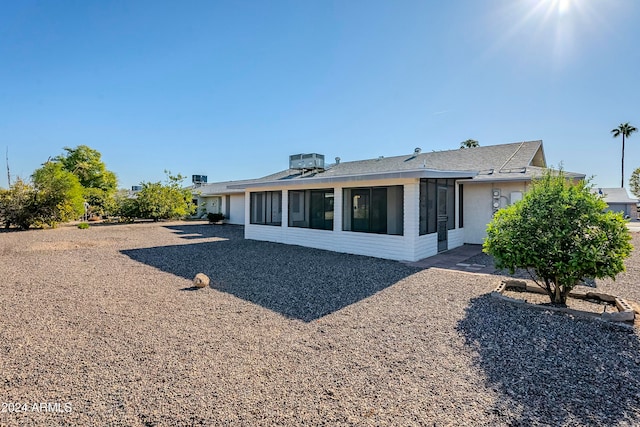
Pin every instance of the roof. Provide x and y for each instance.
(505, 162)
(496, 157)
(527, 173)
(234, 187)
(615, 195)
(325, 178)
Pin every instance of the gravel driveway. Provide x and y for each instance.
(102, 327)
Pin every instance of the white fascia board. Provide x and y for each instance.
(219, 193)
(512, 178)
(376, 176)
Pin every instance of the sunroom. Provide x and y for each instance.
(405, 215)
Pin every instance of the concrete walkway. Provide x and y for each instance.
(455, 259)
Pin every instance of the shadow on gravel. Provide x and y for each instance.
(295, 281)
(551, 369)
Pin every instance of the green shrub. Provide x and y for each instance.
(83, 225)
(561, 232)
(215, 217)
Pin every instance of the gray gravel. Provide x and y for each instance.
(106, 320)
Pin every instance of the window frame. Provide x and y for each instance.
(261, 208)
(371, 218)
(305, 206)
(428, 204)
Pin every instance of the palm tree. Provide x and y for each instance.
(469, 143)
(625, 129)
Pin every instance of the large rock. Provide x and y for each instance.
(201, 280)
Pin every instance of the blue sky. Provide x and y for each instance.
(230, 89)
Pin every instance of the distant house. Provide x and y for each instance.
(403, 207)
(219, 197)
(618, 200)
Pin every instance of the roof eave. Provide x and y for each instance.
(376, 176)
(480, 180)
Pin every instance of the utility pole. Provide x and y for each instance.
(8, 172)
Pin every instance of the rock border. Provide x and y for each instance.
(625, 312)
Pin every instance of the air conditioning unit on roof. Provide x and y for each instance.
(306, 161)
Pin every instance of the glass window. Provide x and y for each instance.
(432, 219)
(437, 204)
(451, 204)
(460, 206)
(321, 209)
(266, 207)
(374, 210)
(311, 209)
(423, 206)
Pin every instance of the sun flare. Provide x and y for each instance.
(564, 6)
(558, 30)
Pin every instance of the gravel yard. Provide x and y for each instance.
(105, 323)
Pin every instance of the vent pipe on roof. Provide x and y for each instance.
(337, 160)
(417, 151)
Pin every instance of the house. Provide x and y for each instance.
(219, 197)
(403, 207)
(618, 200)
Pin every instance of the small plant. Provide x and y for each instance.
(215, 217)
(83, 225)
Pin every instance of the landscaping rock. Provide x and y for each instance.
(201, 280)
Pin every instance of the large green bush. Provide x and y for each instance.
(58, 195)
(55, 196)
(17, 205)
(99, 184)
(561, 233)
(158, 201)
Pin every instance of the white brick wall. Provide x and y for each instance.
(455, 238)
(426, 246)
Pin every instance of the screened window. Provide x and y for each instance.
(311, 209)
(374, 209)
(460, 206)
(266, 208)
(437, 205)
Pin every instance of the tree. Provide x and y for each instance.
(58, 195)
(98, 183)
(126, 205)
(162, 201)
(469, 143)
(17, 205)
(561, 233)
(634, 183)
(624, 129)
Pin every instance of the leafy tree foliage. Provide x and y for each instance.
(86, 163)
(17, 205)
(58, 195)
(127, 206)
(561, 233)
(624, 129)
(98, 183)
(634, 183)
(159, 201)
(469, 143)
(60, 188)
